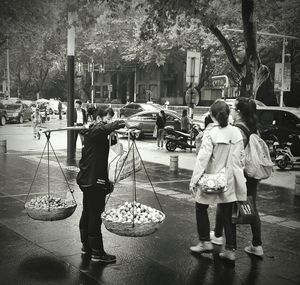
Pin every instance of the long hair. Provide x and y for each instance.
(248, 112)
(220, 111)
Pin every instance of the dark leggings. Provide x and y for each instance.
(203, 223)
(93, 206)
(255, 226)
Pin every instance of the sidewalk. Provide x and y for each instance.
(34, 252)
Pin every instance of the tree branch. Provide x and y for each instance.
(228, 50)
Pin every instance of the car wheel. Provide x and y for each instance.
(282, 163)
(21, 120)
(2, 121)
(170, 146)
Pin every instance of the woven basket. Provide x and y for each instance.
(130, 230)
(52, 214)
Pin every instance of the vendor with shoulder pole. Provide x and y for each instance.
(94, 183)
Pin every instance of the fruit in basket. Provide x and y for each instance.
(45, 202)
(133, 212)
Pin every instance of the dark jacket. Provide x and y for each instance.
(160, 122)
(94, 161)
(84, 116)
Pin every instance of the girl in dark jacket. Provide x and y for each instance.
(93, 181)
(160, 123)
(245, 118)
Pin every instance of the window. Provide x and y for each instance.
(148, 117)
(267, 118)
(289, 120)
(170, 118)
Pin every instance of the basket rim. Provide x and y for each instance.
(51, 208)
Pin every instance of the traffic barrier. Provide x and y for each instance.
(297, 185)
(174, 163)
(3, 148)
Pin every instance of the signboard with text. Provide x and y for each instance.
(193, 63)
(286, 77)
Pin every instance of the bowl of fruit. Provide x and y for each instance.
(133, 219)
(50, 208)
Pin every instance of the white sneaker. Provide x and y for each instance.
(228, 254)
(202, 247)
(256, 250)
(214, 239)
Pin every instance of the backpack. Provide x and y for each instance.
(258, 163)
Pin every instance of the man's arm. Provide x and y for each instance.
(100, 129)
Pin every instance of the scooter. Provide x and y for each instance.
(177, 139)
(289, 153)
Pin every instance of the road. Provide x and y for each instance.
(49, 253)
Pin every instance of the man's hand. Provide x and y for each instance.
(193, 189)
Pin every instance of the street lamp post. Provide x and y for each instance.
(8, 69)
(284, 43)
(71, 147)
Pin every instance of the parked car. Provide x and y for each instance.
(230, 103)
(133, 108)
(3, 115)
(18, 112)
(53, 107)
(146, 120)
(278, 122)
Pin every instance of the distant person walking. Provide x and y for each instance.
(185, 122)
(59, 107)
(80, 118)
(160, 124)
(222, 146)
(37, 121)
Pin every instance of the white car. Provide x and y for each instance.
(53, 106)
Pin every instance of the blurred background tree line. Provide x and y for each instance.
(147, 33)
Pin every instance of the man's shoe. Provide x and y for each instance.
(202, 247)
(85, 249)
(214, 239)
(256, 250)
(98, 256)
(228, 254)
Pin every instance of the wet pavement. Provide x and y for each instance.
(36, 252)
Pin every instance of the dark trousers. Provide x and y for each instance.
(255, 226)
(90, 221)
(225, 215)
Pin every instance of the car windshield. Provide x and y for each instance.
(149, 107)
(13, 107)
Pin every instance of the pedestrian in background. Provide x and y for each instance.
(160, 123)
(59, 107)
(37, 121)
(185, 122)
(222, 146)
(80, 118)
(94, 183)
(244, 115)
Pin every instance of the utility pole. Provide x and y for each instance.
(71, 147)
(284, 43)
(93, 89)
(8, 70)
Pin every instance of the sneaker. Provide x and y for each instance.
(103, 257)
(85, 249)
(214, 239)
(228, 254)
(202, 247)
(256, 250)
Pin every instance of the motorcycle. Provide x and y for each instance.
(177, 139)
(289, 153)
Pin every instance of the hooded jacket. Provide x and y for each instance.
(94, 161)
(212, 157)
